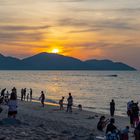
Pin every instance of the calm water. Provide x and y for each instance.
(92, 89)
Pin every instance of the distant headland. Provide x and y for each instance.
(51, 61)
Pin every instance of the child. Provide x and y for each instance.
(124, 134)
(61, 103)
(80, 107)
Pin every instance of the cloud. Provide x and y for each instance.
(22, 27)
(20, 37)
(99, 25)
(22, 33)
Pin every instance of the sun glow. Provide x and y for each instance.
(55, 50)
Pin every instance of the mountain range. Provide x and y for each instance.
(50, 61)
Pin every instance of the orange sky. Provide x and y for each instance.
(87, 29)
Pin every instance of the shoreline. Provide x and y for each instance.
(54, 124)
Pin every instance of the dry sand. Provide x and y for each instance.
(49, 123)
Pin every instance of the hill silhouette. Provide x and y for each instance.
(50, 61)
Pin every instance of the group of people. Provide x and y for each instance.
(112, 132)
(69, 103)
(4, 96)
(133, 113)
(25, 95)
(10, 100)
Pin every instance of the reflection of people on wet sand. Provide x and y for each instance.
(70, 103)
(61, 103)
(42, 98)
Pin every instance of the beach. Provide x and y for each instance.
(49, 123)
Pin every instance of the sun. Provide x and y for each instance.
(55, 50)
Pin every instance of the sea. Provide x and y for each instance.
(92, 89)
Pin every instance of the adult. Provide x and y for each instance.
(12, 111)
(130, 112)
(70, 103)
(111, 127)
(112, 108)
(31, 93)
(42, 98)
(2, 95)
(135, 114)
(102, 123)
(24, 93)
(3, 92)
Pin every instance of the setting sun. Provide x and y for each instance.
(55, 51)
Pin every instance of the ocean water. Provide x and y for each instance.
(93, 89)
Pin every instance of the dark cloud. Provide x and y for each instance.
(20, 37)
(99, 25)
(20, 33)
(22, 28)
(106, 10)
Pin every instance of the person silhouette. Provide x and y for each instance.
(70, 103)
(112, 108)
(42, 98)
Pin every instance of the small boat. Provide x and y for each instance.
(114, 75)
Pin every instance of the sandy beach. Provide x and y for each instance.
(49, 123)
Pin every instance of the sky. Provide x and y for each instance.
(85, 29)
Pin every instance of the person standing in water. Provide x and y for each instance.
(70, 103)
(31, 92)
(112, 108)
(24, 94)
(42, 98)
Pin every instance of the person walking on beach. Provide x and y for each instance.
(112, 108)
(31, 92)
(70, 103)
(61, 103)
(12, 104)
(42, 98)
